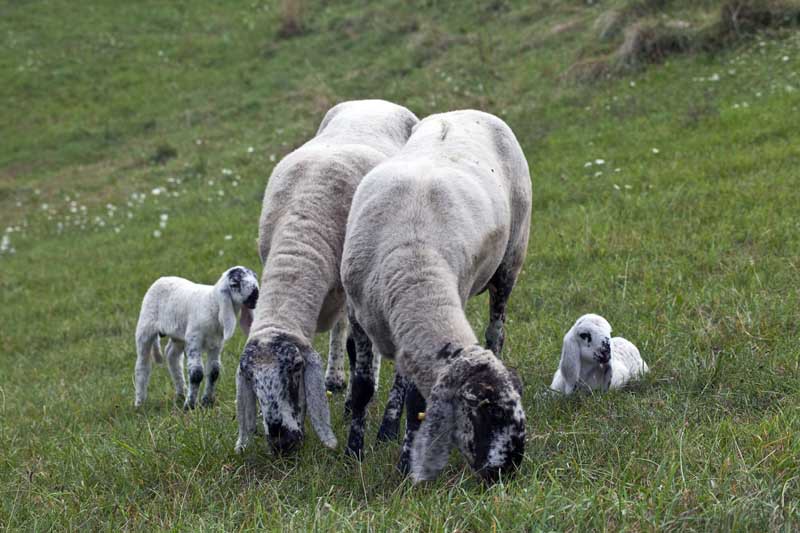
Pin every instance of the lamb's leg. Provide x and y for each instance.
(362, 388)
(144, 364)
(195, 364)
(390, 426)
(213, 367)
(415, 404)
(334, 375)
(245, 411)
(175, 365)
(499, 291)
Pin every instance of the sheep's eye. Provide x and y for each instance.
(586, 336)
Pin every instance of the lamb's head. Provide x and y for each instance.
(588, 342)
(237, 288)
(287, 378)
(476, 406)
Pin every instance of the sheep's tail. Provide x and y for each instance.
(156, 350)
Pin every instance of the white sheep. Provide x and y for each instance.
(301, 234)
(196, 318)
(447, 218)
(591, 358)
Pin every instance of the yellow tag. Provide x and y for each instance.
(329, 393)
(420, 416)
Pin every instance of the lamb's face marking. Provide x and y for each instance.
(275, 370)
(593, 334)
(490, 423)
(243, 284)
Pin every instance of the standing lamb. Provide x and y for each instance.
(301, 235)
(196, 318)
(590, 357)
(445, 219)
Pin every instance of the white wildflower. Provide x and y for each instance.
(156, 234)
(656, 150)
(250, 149)
(228, 237)
(272, 157)
(163, 217)
(600, 161)
(616, 186)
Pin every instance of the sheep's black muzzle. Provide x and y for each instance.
(284, 441)
(605, 353)
(250, 303)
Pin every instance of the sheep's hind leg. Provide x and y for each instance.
(415, 404)
(499, 291)
(334, 375)
(362, 388)
(390, 426)
(144, 365)
(195, 364)
(175, 364)
(213, 368)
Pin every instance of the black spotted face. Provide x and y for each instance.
(490, 424)
(594, 338)
(275, 370)
(243, 284)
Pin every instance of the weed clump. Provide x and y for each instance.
(164, 152)
(292, 18)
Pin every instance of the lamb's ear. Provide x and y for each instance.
(434, 440)
(227, 316)
(570, 361)
(317, 399)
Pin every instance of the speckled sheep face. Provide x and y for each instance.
(490, 423)
(593, 335)
(243, 284)
(275, 370)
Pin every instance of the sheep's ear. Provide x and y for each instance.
(516, 381)
(570, 361)
(434, 440)
(227, 316)
(317, 399)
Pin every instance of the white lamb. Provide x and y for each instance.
(447, 218)
(196, 318)
(591, 358)
(301, 234)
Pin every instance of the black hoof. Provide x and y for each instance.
(404, 464)
(207, 401)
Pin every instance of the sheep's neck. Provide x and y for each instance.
(293, 290)
(426, 315)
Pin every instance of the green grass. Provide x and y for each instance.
(692, 252)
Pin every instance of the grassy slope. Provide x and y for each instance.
(692, 252)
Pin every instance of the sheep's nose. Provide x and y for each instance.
(284, 441)
(605, 352)
(250, 303)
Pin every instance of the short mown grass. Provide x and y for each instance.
(665, 199)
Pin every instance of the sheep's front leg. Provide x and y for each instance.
(245, 411)
(195, 364)
(499, 291)
(213, 367)
(362, 388)
(390, 426)
(415, 404)
(175, 364)
(334, 375)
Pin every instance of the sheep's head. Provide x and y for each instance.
(592, 334)
(476, 406)
(237, 288)
(286, 376)
(588, 342)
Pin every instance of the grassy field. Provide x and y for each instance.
(136, 141)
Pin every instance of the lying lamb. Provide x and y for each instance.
(196, 318)
(592, 359)
(301, 235)
(447, 218)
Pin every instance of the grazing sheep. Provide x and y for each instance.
(445, 219)
(591, 358)
(301, 235)
(196, 318)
